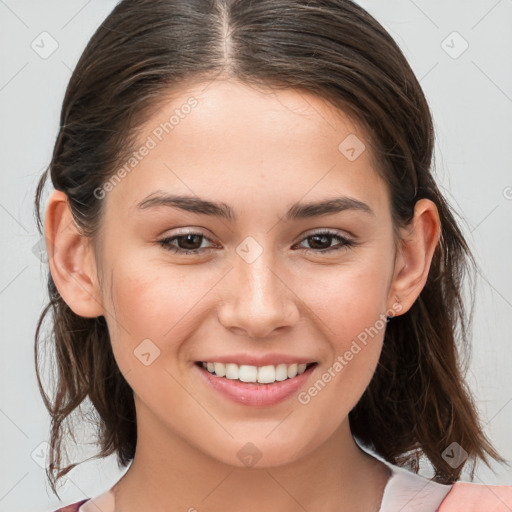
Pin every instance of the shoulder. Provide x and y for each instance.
(104, 502)
(411, 492)
(73, 507)
(472, 497)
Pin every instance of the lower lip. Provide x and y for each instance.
(262, 395)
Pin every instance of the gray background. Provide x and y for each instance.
(470, 93)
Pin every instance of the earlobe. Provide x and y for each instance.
(412, 265)
(71, 259)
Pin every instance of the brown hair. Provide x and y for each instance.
(417, 402)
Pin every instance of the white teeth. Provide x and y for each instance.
(231, 371)
(281, 372)
(261, 374)
(292, 370)
(220, 369)
(247, 373)
(266, 374)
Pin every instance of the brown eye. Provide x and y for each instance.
(188, 243)
(321, 242)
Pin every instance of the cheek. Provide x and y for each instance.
(153, 315)
(156, 303)
(350, 306)
(348, 300)
(152, 298)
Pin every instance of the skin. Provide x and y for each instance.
(259, 152)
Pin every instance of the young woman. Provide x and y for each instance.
(253, 275)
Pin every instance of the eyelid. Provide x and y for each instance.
(329, 231)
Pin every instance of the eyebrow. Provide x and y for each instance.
(218, 209)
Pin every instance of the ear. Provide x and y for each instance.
(412, 263)
(71, 259)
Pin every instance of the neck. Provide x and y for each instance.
(169, 474)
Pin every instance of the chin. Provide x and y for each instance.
(260, 453)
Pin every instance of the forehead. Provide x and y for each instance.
(225, 138)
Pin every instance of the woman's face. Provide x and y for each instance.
(257, 288)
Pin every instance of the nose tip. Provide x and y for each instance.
(257, 302)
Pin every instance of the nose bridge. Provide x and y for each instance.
(259, 281)
(258, 301)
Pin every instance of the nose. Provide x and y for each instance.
(257, 299)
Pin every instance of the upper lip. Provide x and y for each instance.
(255, 360)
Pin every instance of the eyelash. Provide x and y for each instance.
(345, 243)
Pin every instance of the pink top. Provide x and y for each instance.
(405, 491)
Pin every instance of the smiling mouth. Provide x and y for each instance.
(262, 375)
